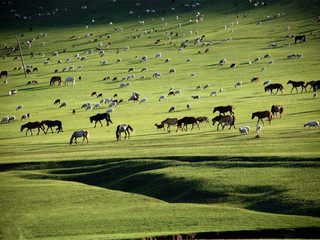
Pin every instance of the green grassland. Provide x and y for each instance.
(159, 183)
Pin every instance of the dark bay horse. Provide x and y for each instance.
(224, 109)
(123, 128)
(271, 87)
(302, 38)
(185, 121)
(275, 109)
(4, 73)
(100, 116)
(224, 119)
(261, 115)
(51, 124)
(296, 85)
(33, 125)
(55, 79)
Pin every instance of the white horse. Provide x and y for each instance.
(70, 80)
(76, 134)
(123, 128)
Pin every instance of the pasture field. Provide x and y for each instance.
(159, 183)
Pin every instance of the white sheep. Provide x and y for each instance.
(206, 86)
(238, 84)
(89, 107)
(126, 48)
(12, 118)
(68, 59)
(70, 80)
(112, 104)
(122, 85)
(24, 117)
(64, 104)
(5, 82)
(162, 97)
(213, 93)
(156, 74)
(248, 128)
(97, 105)
(192, 75)
(143, 100)
(258, 128)
(243, 131)
(196, 97)
(312, 124)
(64, 69)
(71, 68)
(84, 105)
(172, 109)
(315, 95)
(263, 69)
(42, 43)
(221, 90)
(5, 119)
(144, 69)
(19, 107)
(158, 55)
(267, 82)
(177, 92)
(189, 60)
(142, 77)
(80, 66)
(110, 110)
(249, 63)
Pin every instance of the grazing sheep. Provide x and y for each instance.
(213, 93)
(270, 62)
(64, 69)
(130, 69)
(192, 75)
(233, 65)
(168, 60)
(238, 84)
(272, 45)
(221, 90)
(19, 107)
(249, 63)
(177, 92)
(172, 70)
(5, 119)
(64, 104)
(243, 131)
(144, 69)
(156, 74)
(110, 110)
(5, 82)
(258, 128)
(198, 87)
(89, 106)
(267, 55)
(84, 105)
(158, 55)
(222, 62)
(162, 97)
(80, 66)
(315, 95)
(143, 100)
(257, 59)
(263, 69)
(126, 48)
(312, 124)
(255, 79)
(266, 82)
(248, 128)
(97, 105)
(172, 109)
(196, 97)
(71, 68)
(122, 85)
(206, 86)
(189, 60)
(56, 101)
(25, 116)
(189, 106)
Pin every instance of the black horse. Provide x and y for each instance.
(51, 124)
(3, 73)
(99, 117)
(302, 38)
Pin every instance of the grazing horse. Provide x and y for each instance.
(296, 85)
(169, 122)
(123, 128)
(185, 121)
(271, 87)
(203, 119)
(99, 117)
(224, 119)
(224, 109)
(3, 73)
(316, 85)
(264, 114)
(311, 83)
(277, 109)
(302, 38)
(77, 134)
(33, 125)
(55, 79)
(51, 124)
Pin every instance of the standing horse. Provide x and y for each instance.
(271, 87)
(169, 122)
(100, 116)
(55, 79)
(185, 121)
(224, 119)
(4, 73)
(260, 115)
(302, 38)
(123, 128)
(77, 134)
(203, 119)
(51, 124)
(296, 85)
(224, 109)
(275, 109)
(32, 125)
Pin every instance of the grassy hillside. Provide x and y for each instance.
(158, 183)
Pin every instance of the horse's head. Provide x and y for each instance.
(214, 110)
(91, 119)
(22, 127)
(266, 89)
(253, 115)
(213, 121)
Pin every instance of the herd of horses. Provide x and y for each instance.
(315, 85)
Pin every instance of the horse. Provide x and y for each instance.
(55, 79)
(77, 134)
(169, 122)
(302, 38)
(123, 128)
(203, 119)
(296, 85)
(316, 85)
(4, 73)
(311, 83)
(185, 121)
(264, 114)
(160, 126)
(224, 119)
(32, 125)
(224, 109)
(276, 109)
(271, 87)
(51, 124)
(99, 117)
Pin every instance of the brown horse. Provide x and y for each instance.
(169, 122)
(33, 125)
(55, 79)
(277, 109)
(203, 119)
(296, 85)
(224, 109)
(224, 119)
(271, 87)
(185, 121)
(261, 115)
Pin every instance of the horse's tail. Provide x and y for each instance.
(130, 128)
(118, 133)
(72, 137)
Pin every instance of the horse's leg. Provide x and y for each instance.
(27, 131)
(198, 125)
(75, 140)
(95, 124)
(262, 121)
(51, 130)
(291, 90)
(125, 137)
(31, 132)
(101, 123)
(128, 133)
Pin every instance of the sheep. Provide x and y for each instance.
(12, 118)
(177, 92)
(315, 95)
(263, 69)
(70, 79)
(248, 128)
(25, 116)
(144, 69)
(312, 124)
(270, 62)
(222, 62)
(104, 62)
(266, 82)
(255, 79)
(172, 70)
(156, 74)
(267, 55)
(206, 86)
(238, 84)
(257, 59)
(71, 68)
(213, 93)
(89, 107)
(192, 75)
(110, 110)
(249, 63)
(221, 90)
(168, 60)
(196, 97)
(84, 105)
(143, 100)
(19, 107)
(189, 106)
(243, 131)
(233, 65)
(83, 58)
(171, 93)
(5, 119)
(126, 48)
(158, 55)
(68, 59)
(258, 128)
(189, 60)
(122, 85)
(172, 109)
(5, 82)
(272, 45)
(97, 105)
(162, 97)
(142, 77)
(64, 104)
(118, 60)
